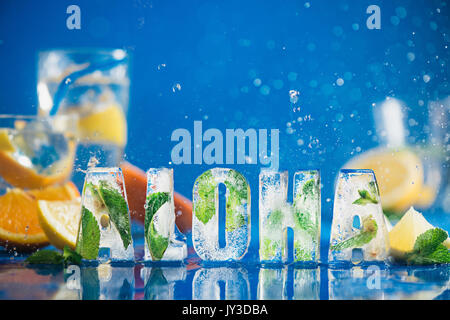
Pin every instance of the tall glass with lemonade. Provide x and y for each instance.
(94, 85)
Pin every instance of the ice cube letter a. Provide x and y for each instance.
(163, 241)
(205, 220)
(276, 216)
(358, 231)
(105, 228)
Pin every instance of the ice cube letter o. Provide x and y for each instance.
(105, 228)
(163, 241)
(205, 220)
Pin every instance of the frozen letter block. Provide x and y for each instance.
(358, 232)
(161, 232)
(276, 216)
(105, 231)
(205, 220)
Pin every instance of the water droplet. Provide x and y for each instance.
(176, 87)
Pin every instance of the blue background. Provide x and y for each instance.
(216, 49)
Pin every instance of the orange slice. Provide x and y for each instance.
(19, 224)
(67, 191)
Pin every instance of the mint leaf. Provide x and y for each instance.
(153, 203)
(237, 197)
(309, 187)
(118, 211)
(70, 256)
(88, 241)
(366, 234)
(365, 198)
(302, 221)
(205, 207)
(45, 257)
(157, 243)
(428, 249)
(269, 249)
(275, 220)
(428, 241)
(300, 253)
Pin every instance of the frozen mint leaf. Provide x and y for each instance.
(118, 211)
(237, 197)
(88, 241)
(365, 198)
(308, 188)
(205, 208)
(300, 253)
(45, 257)
(269, 249)
(157, 243)
(366, 234)
(303, 221)
(275, 219)
(71, 256)
(153, 203)
(234, 221)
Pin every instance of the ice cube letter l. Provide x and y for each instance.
(205, 220)
(159, 226)
(105, 228)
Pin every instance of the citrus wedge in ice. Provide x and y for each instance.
(60, 221)
(19, 224)
(5, 141)
(399, 174)
(404, 234)
(18, 175)
(107, 125)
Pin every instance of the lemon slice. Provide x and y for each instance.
(399, 175)
(108, 125)
(404, 234)
(60, 221)
(5, 141)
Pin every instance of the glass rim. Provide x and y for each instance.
(356, 171)
(36, 116)
(85, 50)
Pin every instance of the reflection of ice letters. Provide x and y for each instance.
(365, 283)
(374, 280)
(274, 284)
(73, 280)
(221, 283)
(160, 282)
(103, 282)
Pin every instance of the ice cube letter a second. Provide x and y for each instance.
(205, 218)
